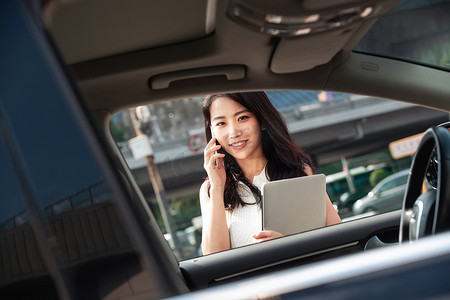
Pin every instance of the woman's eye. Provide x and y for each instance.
(220, 123)
(243, 118)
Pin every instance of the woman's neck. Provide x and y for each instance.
(252, 167)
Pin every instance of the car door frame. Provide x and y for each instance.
(290, 251)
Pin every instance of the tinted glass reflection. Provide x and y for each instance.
(79, 233)
(12, 205)
(20, 256)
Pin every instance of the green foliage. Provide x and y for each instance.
(377, 175)
(445, 59)
(158, 216)
(117, 132)
(183, 209)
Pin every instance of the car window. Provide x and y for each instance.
(388, 186)
(54, 191)
(58, 211)
(425, 42)
(354, 140)
(401, 180)
(391, 183)
(9, 187)
(73, 203)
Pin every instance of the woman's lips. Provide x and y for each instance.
(238, 145)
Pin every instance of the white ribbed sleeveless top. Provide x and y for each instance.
(245, 221)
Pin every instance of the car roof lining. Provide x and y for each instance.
(345, 73)
(119, 79)
(115, 27)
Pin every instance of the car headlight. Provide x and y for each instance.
(357, 205)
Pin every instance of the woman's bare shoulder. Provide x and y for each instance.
(309, 170)
(205, 185)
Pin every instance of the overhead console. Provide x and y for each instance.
(303, 27)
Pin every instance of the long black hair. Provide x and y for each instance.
(285, 159)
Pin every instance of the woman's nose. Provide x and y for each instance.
(234, 131)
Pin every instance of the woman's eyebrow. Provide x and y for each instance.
(235, 114)
(241, 112)
(218, 118)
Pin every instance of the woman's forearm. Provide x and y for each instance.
(332, 215)
(215, 234)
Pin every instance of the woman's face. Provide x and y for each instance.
(236, 129)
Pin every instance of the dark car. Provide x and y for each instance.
(346, 201)
(386, 196)
(83, 216)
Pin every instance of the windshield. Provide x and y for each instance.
(417, 31)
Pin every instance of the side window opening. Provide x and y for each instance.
(347, 151)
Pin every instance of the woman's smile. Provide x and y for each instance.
(238, 145)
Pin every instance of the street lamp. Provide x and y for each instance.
(147, 121)
(141, 148)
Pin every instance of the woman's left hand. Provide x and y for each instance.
(265, 235)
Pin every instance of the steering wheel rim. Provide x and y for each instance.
(427, 213)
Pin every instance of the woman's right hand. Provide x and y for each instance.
(215, 234)
(216, 172)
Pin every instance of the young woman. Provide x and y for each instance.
(249, 144)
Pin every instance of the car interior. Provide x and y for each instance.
(122, 54)
(120, 58)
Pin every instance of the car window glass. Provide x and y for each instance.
(425, 42)
(57, 214)
(402, 180)
(12, 211)
(397, 182)
(20, 255)
(388, 186)
(354, 140)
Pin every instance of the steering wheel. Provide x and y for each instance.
(428, 213)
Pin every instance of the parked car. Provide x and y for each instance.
(360, 179)
(386, 196)
(346, 202)
(187, 243)
(76, 220)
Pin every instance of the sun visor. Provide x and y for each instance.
(107, 28)
(301, 54)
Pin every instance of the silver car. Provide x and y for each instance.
(387, 195)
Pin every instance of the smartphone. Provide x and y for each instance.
(215, 152)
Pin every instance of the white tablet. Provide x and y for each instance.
(294, 205)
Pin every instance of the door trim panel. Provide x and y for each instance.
(289, 251)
